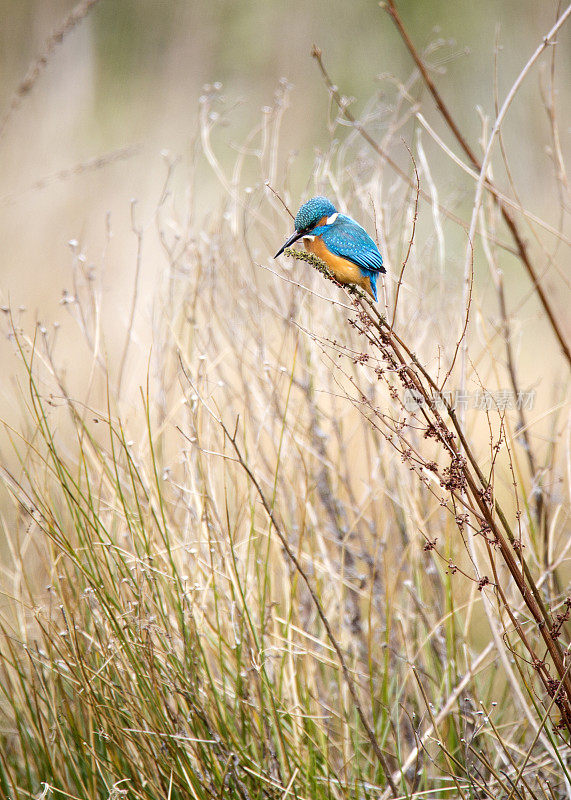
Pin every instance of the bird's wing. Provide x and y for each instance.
(346, 238)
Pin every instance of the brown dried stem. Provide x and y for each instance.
(478, 488)
(506, 214)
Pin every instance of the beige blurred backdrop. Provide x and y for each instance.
(131, 73)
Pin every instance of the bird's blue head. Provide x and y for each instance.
(307, 218)
(311, 212)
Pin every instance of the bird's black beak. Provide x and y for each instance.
(293, 238)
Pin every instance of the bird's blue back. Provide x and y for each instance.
(347, 239)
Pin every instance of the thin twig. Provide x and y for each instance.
(411, 240)
(279, 197)
(91, 165)
(78, 13)
(139, 234)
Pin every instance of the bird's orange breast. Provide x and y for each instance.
(345, 271)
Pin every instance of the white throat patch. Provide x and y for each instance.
(332, 218)
(308, 238)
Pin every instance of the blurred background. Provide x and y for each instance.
(123, 88)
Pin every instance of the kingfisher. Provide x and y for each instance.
(346, 247)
